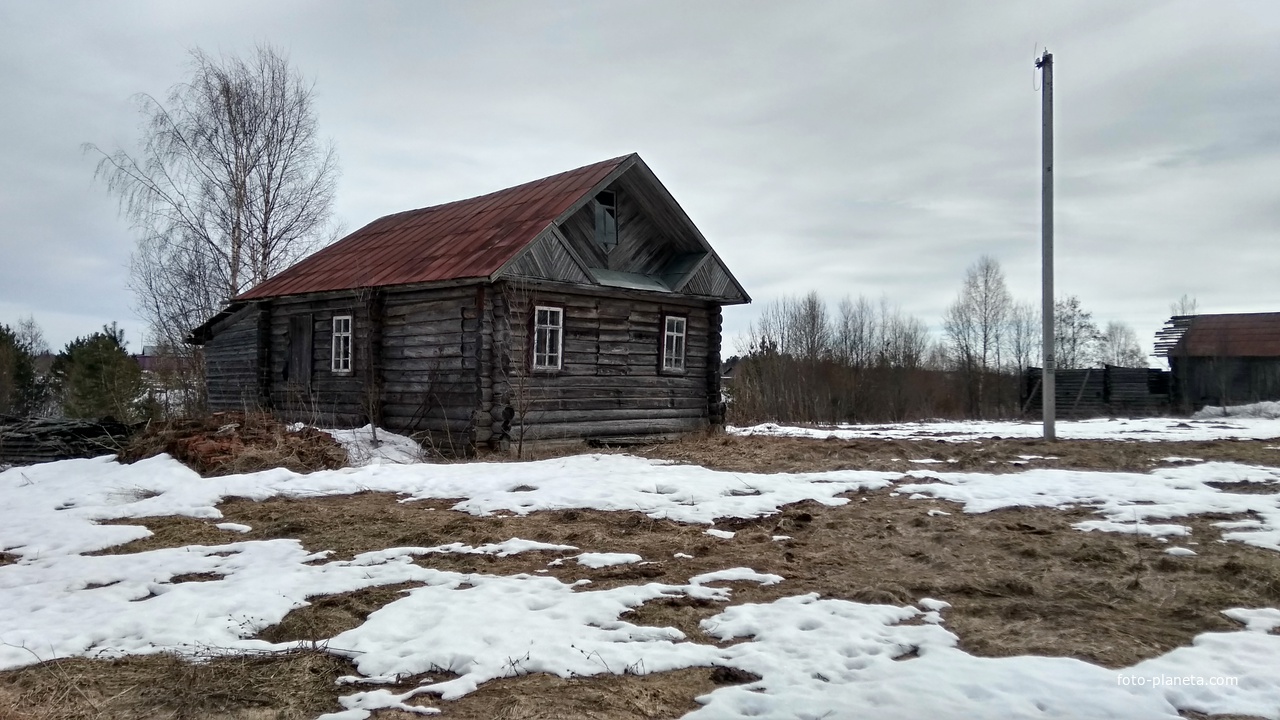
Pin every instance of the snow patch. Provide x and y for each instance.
(599, 560)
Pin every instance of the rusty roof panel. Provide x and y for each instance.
(1239, 335)
(459, 240)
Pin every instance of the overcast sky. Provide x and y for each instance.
(845, 147)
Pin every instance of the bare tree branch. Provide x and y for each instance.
(231, 185)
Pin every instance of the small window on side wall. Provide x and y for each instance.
(607, 220)
(548, 337)
(673, 342)
(341, 357)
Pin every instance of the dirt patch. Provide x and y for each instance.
(8, 558)
(295, 685)
(170, 531)
(774, 454)
(330, 615)
(615, 697)
(1249, 488)
(228, 443)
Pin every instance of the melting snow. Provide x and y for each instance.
(816, 657)
(599, 560)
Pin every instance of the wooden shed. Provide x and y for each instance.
(1229, 359)
(585, 305)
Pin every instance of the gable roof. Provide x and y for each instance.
(1235, 335)
(471, 238)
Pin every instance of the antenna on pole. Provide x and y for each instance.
(1045, 63)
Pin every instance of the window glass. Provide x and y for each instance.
(548, 331)
(673, 338)
(341, 343)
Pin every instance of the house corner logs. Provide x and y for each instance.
(715, 400)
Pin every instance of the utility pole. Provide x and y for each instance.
(1045, 63)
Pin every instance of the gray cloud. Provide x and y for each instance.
(851, 148)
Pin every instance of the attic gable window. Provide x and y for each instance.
(341, 357)
(548, 337)
(606, 204)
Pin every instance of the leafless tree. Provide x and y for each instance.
(1076, 335)
(975, 324)
(230, 185)
(1118, 345)
(810, 327)
(1185, 305)
(1023, 336)
(855, 334)
(31, 336)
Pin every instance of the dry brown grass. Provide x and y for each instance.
(658, 696)
(774, 454)
(330, 615)
(296, 685)
(228, 443)
(1021, 581)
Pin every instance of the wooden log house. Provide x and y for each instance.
(1222, 359)
(586, 305)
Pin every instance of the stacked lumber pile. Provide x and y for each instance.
(24, 441)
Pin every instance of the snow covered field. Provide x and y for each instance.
(1247, 423)
(816, 657)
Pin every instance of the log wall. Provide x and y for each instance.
(451, 364)
(1223, 381)
(1109, 391)
(232, 366)
(610, 384)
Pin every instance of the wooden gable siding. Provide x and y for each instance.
(232, 364)
(711, 281)
(548, 259)
(644, 247)
(610, 383)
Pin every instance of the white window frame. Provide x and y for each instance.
(340, 357)
(548, 330)
(675, 336)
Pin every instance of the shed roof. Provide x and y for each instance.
(470, 238)
(1235, 335)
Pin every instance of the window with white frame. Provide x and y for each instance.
(341, 344)
(673, 343)
(548, 337)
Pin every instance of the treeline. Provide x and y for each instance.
(867, 361)
(93, 376)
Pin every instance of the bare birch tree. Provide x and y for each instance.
(1118, 345)
(1075, 334)
(975, 325)
(230, 185)
(1185, 305)
(1024, 336)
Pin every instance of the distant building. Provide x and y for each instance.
(155, 358)
(1222, 359)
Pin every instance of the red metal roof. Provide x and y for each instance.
(458, 240)
(1240, 335)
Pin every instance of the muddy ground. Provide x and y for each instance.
(1020, 581)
